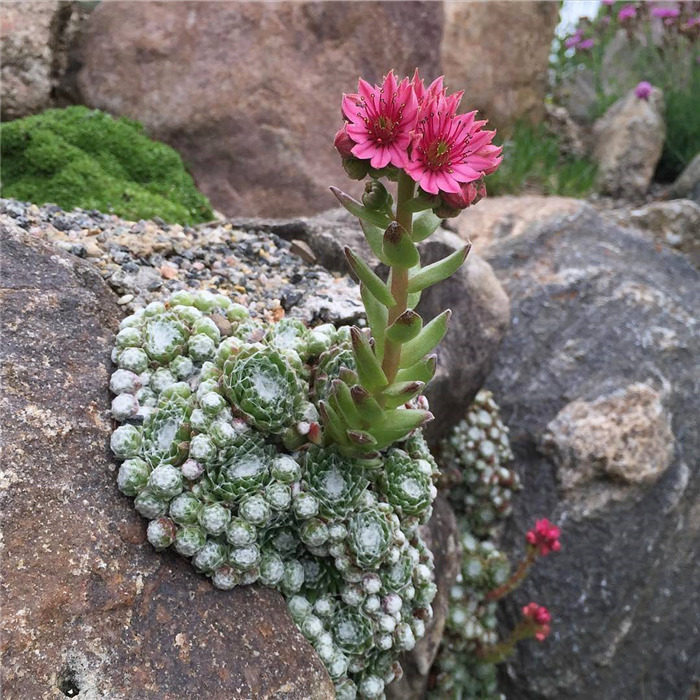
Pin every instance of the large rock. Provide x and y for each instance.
(498, 52)
(597, 380)
(89, 608)
(503, 217)
(479, 304)
(242, 90)
(25, 39)
(36, 39)
(687, 185)
(629, 139)
(674, 223)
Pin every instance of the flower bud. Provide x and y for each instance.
(454, 202)
(376, 196)
(343, 143)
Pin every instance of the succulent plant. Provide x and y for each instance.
(479, 484)
(475, 460)
(222, 456)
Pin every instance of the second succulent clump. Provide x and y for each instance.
(223, 453)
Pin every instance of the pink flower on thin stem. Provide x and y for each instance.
(449, 149)
(544, 537)
(627, 12)
(586, 44)
(540, 618)
(572, 41)
(643, 90)
(380, 121)
(665, 12)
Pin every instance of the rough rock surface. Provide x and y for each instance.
(479, 304)
(675, 223)
(25, 40)
(598, 309)
(624, 436)
(259, 140)
(88, 608)
(687, 185)
(442, 535)
(503, 217)
(628, 141)
(498, 52)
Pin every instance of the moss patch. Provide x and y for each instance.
(79, 157)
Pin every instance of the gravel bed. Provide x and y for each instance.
(145, 260)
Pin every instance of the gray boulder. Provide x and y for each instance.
(89, 609)
(628, 141)
(687, 185)
(597, 380)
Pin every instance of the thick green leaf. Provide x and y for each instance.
(361, 437)
(369, 369)
(345, 405)
(425, 225)
(426, 340)
(332, 423)
(400, 393)
(361, 212)
(422, 371)
(398, 247)
(367, 406)
(377, 319)
(438, 271)
(374, 236)
(368, 277)
(398, 423)
(406, 327)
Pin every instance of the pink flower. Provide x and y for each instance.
(380, 121)
(627, 12)
(540, 617)
(586, 44)
(608, 2)
(449, 149)
(544, 537)
(665, 12)
(573, 40)
(643, 90)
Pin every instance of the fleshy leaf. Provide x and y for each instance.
(377, 319)
(438, 271)
(405, 327)
(368, 277)
(422, 371)
(369, 369)
(398, 247)
(426, 340)
(425, 225)
(360, 211)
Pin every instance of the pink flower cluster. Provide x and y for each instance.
(544, 537)
(541, 617)
(417, 129)
(643, 90)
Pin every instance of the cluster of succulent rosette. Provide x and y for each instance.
(294, 456)
(479, 480)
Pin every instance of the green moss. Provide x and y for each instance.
(78, 157)
(533, 162)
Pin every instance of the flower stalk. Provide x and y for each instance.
(412, 135)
